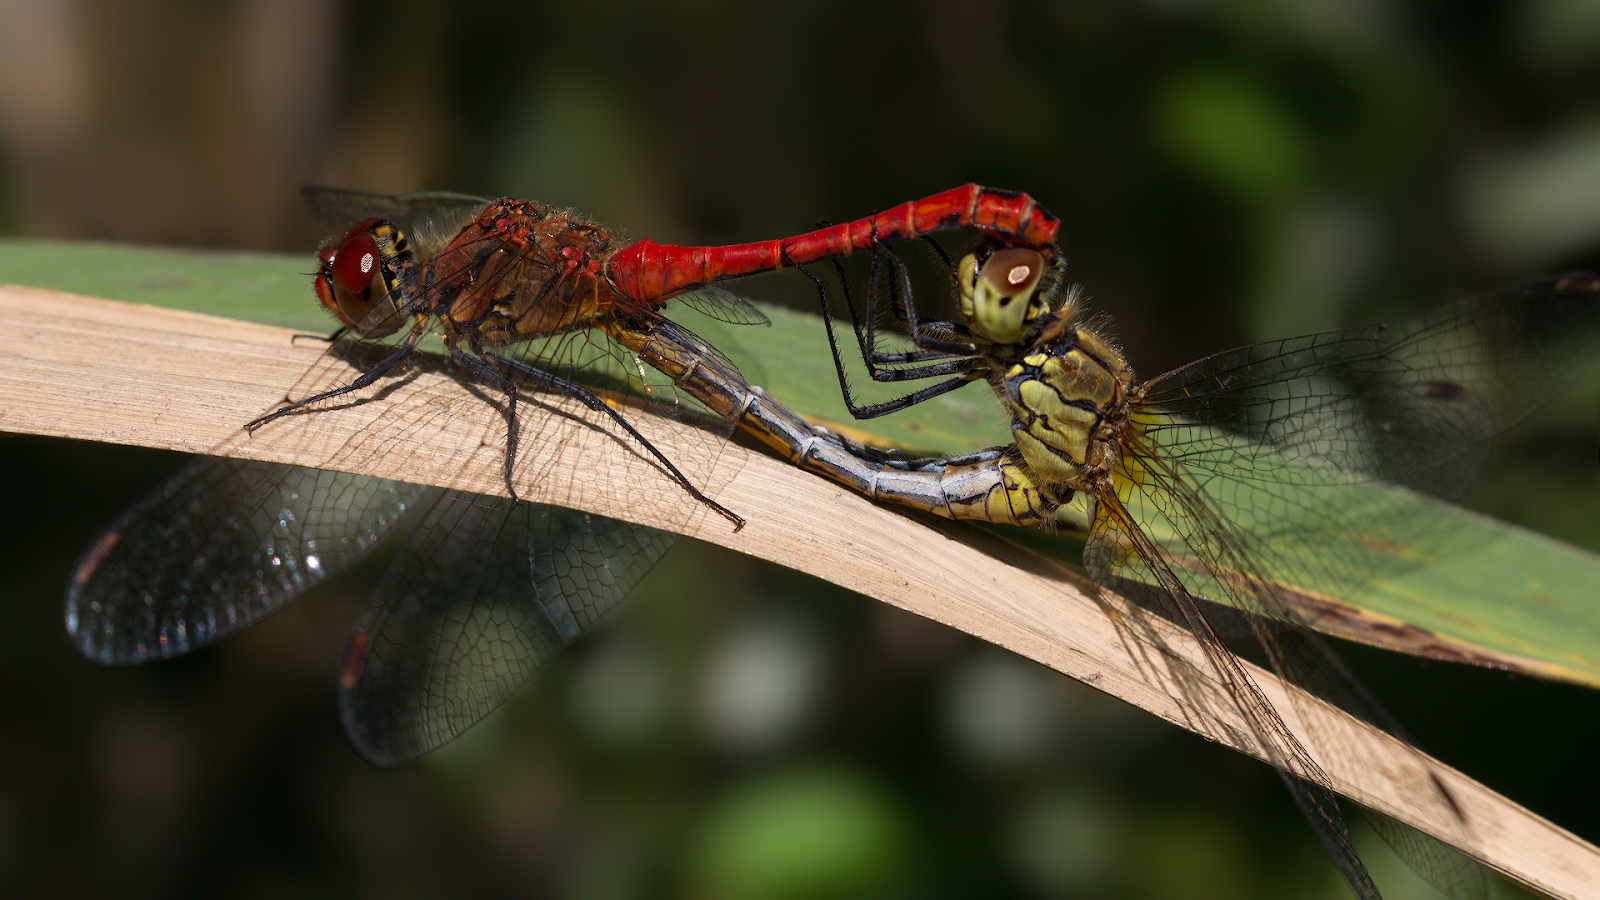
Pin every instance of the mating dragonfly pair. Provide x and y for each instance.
(1224, 480)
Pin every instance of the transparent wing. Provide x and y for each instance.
(222, 545)
(723, 305)
(483, 596)
(1413, 402)
(1268, 466)
(1307, 447)
(1119, 555)
(1165, 541)
(432, 218)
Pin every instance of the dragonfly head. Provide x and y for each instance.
(1001, 295)
(359, 277)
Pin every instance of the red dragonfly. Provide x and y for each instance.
(491, 275)
(489, 589)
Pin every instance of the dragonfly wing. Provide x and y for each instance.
(220, 546)
(1306, 447)
(1242, 537)
(1119, 555)
(431, 218)
(723, 305)
(1449, 871)
(1413, 402)
(485, 594)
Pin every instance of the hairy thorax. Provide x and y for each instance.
(519, 272)
(1067, 393)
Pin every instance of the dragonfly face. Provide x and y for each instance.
(1002, 293)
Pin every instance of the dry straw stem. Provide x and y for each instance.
(100, 370)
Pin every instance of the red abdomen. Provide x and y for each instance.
(649, 271)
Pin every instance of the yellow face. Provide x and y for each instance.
(1000, 293)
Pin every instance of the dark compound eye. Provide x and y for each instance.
(1013, 272)
(355, 263)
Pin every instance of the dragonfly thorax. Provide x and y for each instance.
(520, 272)
(1065, 387)
(1068, 399)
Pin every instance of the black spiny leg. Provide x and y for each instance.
(583, 395)
(928, 349)
(366, 379)
(963, 369)
(485, 371)
(326, 339)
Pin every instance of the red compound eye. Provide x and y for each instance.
(353, 266)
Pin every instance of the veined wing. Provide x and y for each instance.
(1263, 468)
(1266, 466)
(430, 218)
(222, 545)
(723, 305)
(1307, 446)
(1118, 554)
(1320, 532)
(484, 595)
(1161, 541)
(1259, 468)
(1413, 402)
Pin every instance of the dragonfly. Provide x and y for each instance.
(1227, 479)
(1233, 479)
(487, 589)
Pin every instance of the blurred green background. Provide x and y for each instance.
(1224, 172)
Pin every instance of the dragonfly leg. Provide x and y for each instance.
(588, 398)
(928, 347)
(874, 410)
(962, 369)
(487, 371)
(366, 379)
(321, 338)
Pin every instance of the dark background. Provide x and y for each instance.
(1224, 172)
